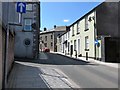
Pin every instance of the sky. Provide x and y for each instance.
(63, 13)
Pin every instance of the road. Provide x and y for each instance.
(84, 74)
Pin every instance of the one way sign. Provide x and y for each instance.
(21, 7)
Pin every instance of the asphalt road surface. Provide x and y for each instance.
(83, 73)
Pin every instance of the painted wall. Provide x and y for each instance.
(49, 40)
(33, 49)
(21, 50)
(1, 60)
(107, 19)
(82, 35)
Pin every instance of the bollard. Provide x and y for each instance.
(76, 53)
(86, 55)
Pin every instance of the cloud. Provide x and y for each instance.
(65, 20)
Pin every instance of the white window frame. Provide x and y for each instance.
(72, 30)
(78, 46)
(86, 22)
(29, 7)
(75, 48)
(78, 27)
(27, 24)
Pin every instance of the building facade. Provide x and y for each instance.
(49, 38)
(7, 10)
(93, 34)
(27, 38)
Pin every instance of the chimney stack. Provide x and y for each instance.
(54, 26)
(45, 29)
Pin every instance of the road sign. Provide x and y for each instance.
(21, 7)
(97, 43)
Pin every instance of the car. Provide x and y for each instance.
(46, 50)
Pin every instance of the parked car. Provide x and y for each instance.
(46, 50)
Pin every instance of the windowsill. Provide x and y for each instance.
(29, 10)
(86, 49)
(27, 31)
(86, 29)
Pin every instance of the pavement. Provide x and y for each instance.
(54, 71)
(33, 75)
(114, 65)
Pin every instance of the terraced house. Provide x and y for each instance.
(94, 35)
(48, 38)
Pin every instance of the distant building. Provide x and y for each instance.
(48, 38)
(27, 38)
(95, 35)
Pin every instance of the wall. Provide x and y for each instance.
(1, 57)
(107, 19)
(82, 35)
(7, 10)
(49, 40)
(57, 33)
(32, 50)
(21, 50)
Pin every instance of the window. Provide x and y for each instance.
(45, 44)
(72, 30)
(86, 23)
(45, 38)
(78, 27)
(74, 44)
(27, 24)
(86, 43)
(78, 46)
(40, 38)
(68, 34)
(51, 36)
(51, 44)
(68, 46)
(29, 7)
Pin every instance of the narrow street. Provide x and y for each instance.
(57, 71)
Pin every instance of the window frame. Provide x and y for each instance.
(45, 38)
(78, 27)
(87, 43)
(73, 30)
(86, 23)
(75, 45)
(29, 10)
(25, 24)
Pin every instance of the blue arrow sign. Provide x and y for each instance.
(21, 7)
(96, 42)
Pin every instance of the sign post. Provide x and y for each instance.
(21, 8)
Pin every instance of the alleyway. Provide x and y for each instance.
(56, 71)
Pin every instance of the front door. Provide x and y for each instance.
(71, 50)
